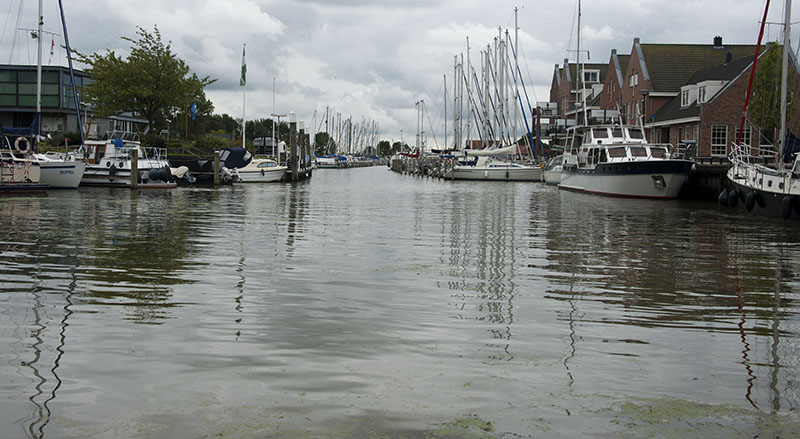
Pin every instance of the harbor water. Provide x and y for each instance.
(362, 303)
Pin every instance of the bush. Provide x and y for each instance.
(151, 140)
(210, 144)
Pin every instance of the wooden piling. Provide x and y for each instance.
(293, 149)
(134, 156)
(216, 168)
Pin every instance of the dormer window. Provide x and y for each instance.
(685, 98)
(634, 80)
(701, 94)
(591, 76)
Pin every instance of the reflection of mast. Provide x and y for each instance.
(38, 415)
(745, 357)
(773, 379)
(572, 310)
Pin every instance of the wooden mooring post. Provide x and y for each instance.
(293, 148)
(134, 168)
(216, 168)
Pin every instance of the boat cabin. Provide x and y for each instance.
(614, 144)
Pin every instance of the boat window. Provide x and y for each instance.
(638, 151)
(600, 133)
(658, 153)
(616, 132)
(587, 138)
(636, 134)
(267, 165)
(616, 152)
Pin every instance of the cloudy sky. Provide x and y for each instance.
(372, 59)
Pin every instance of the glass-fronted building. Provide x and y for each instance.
(18, 101)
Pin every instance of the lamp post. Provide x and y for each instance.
(646, 93)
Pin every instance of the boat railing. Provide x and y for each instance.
(744, 153)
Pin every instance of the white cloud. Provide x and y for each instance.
(375, 59)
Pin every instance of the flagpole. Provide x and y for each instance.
(244, 87)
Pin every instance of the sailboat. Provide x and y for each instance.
(58, 170)
(495, 162)
(763, 190)
(616, 160)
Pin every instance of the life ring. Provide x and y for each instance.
(19, 140)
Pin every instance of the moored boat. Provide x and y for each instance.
(552, 171)
(763, 190)
(616, 160)
(19, 170)
(110, 162)
(261, 171)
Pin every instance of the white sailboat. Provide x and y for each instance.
(763, 190)
(57, 170)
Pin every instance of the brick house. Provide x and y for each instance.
(611, 98)
(656, 72)
(563, 89)
(708, 111)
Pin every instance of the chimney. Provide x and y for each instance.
(728, 57)
(636, 41)
(718, 42)
(613, 52)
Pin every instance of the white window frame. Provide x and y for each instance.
(685, 98)
(701, 94)
(719, 140)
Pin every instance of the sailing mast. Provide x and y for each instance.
(784, 75)
(38, 120)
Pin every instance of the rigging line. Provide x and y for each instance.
(433, 132)
(16, 26)
(525, 89)
(5, 25)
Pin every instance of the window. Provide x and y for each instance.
(591, 76)
(600, 133)
(684, 98)
(719, 140)
(636, 134)
(616, 152)
(701, 94)
(638, 151)
(745, 134)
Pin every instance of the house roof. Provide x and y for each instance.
(672, 111)
(671, 66)
(724, 72)
(623, 61)
(603, 68)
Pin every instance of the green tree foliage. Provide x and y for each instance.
(152, 81)
(764, 107)
(384, 147)
(324, 144)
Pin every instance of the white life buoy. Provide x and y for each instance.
(19, 140)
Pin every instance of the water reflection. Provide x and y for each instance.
(631, 273)
(480, 252)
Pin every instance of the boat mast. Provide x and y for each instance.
(72, 75)
(38, 120)
(445, 111)
(784, 75)
(579, 69)
(516, 69)
(752, 76)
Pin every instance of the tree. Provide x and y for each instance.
(152, 81)
(384, 147)
(324, 144)
(764, 107)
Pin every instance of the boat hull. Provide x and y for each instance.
(62, 174)
(102, 176)
(658, 179)
(763, 192)
(552, 177)
(262, 176)
(495, 173)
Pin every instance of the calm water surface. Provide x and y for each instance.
(363, 303)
